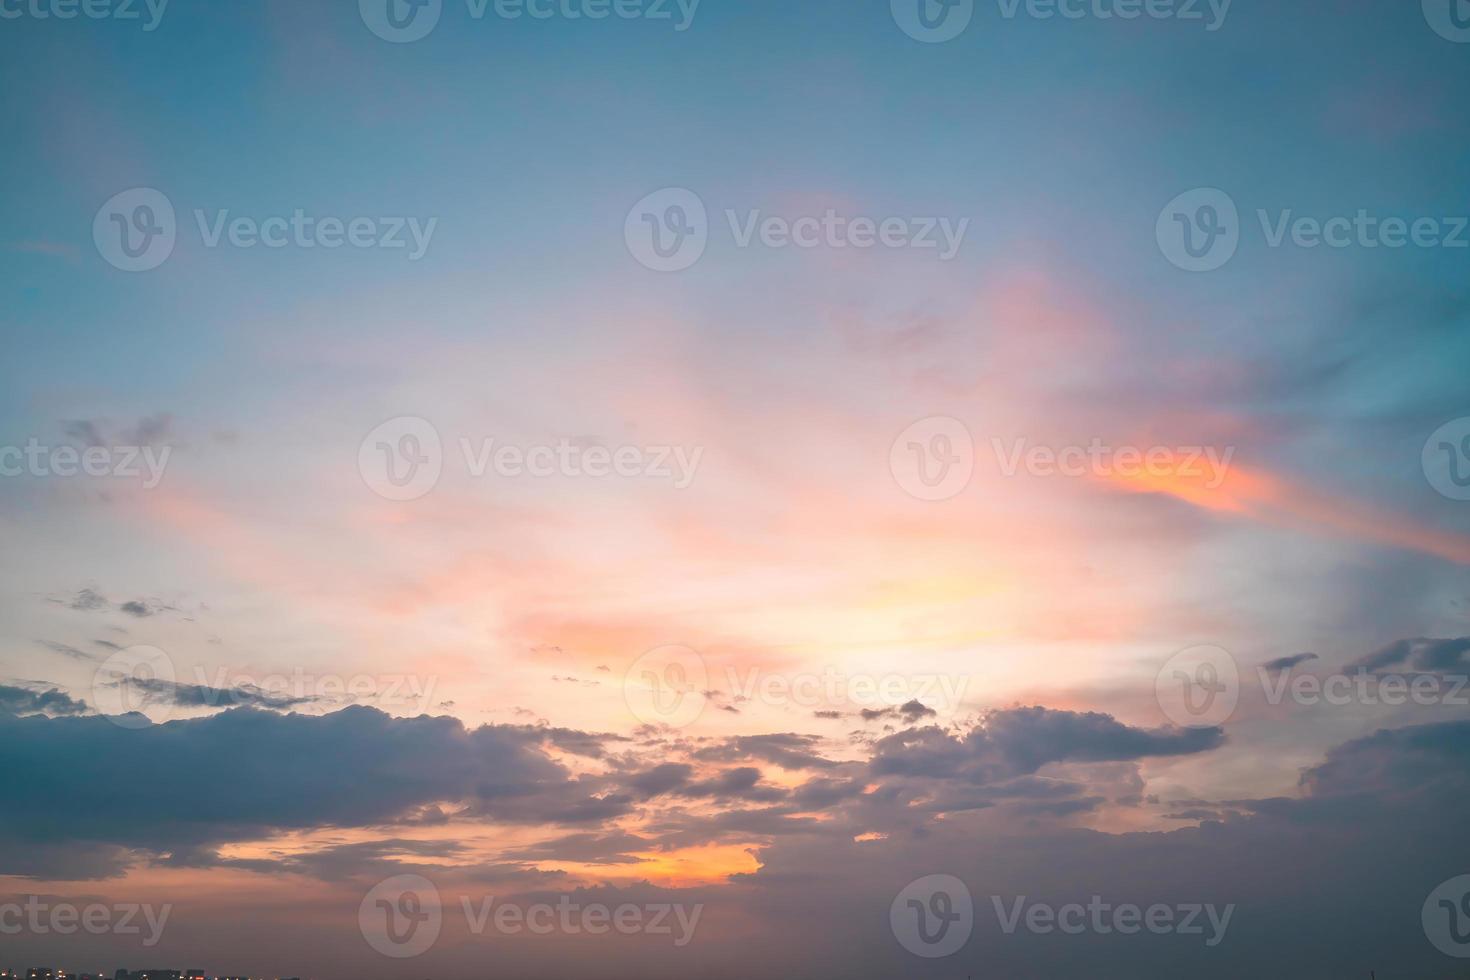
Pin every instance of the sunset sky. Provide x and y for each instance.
(761, 669)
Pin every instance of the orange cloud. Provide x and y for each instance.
(1263, 496)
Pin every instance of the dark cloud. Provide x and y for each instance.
(787, 750)
(91, 432)
(68, 651)
(88, 600)
(84, 431)
(613, 848)
(909, 712)
(1019, 741)
(1421, 654)
(661, 779)
(247, 773)
(742, 783)
(587, 744)
(1287, 663)
(154, 691)
(24, 701)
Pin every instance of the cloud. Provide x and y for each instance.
(1324, 885)
(157, 691)
(88, 600)
(1287, 663)
(1421, 654)
(247, 773)
(91, 432)
(787, 750)
(910, 712)
(68, 651)
(23, 701)
(84, 431)
(1019, 741)
(613, 848)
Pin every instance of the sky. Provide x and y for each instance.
(849, 488)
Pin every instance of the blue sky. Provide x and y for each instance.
(781, 409)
